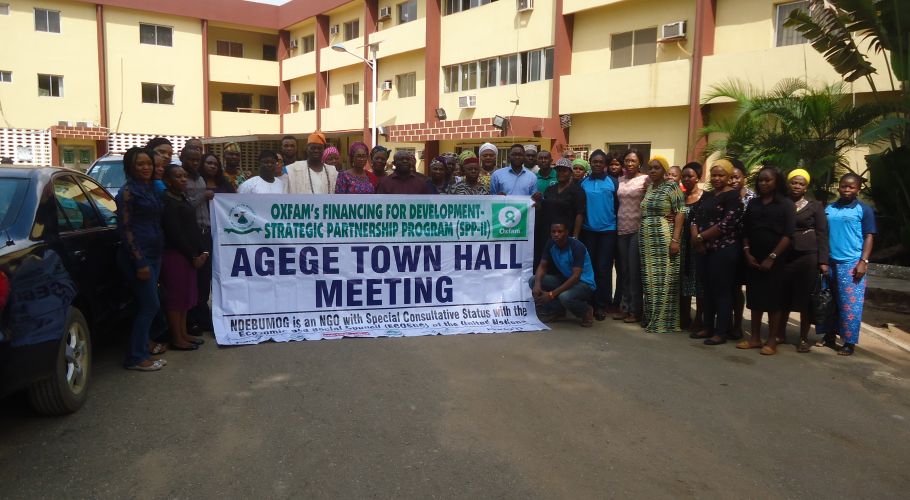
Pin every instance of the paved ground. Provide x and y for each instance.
(571, 413)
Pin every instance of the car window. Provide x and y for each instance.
(106, 205)
(75, 211)
(109, 173)
(12, 192)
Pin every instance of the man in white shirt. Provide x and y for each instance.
(265, 182)
(311, 176)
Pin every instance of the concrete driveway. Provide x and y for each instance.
(570, 413)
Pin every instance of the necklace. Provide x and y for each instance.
(309, 174)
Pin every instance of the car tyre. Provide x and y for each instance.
(66, 390)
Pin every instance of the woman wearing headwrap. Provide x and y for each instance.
(690, 283)
(599, 229)
(332, 157)
(489, 156)
(439, 177)
(660, 245)
(807, 257)
(356, 180)
(580, 169)
(715, 235)
(379, 158)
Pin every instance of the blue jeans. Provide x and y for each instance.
(719, 277)
(576, 299)
(148, 308)
(602, 248)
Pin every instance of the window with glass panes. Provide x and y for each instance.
(156, 93)
(351, 29)
(309, 100)
(407, 11)
(228, 48)
(453, 6)
(352, 93)
(633, 48)
(406, 84)
(786, 35)
(153, 34)
(619, 149)
(6, 76)
(309, 43)
(50, 86)
(47, 20)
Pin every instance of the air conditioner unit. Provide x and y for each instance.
(385, 13)
(467, 101)
(294, 99)
(386, 85)
(293, 43)
(673, 31)
(333, 30)
(525, 5)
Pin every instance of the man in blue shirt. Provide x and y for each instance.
(599, 230)
(515, 180)
(571, 286)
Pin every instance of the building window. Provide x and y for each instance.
(787, 35)
(407, 11)
(407, 84)
(620, 148)
(232, 101)
(269, 53)
(351, 29)
(453, 6)
(309, 43)
(6, 76)
(50, 86)
(451, 78)
(156, 93)
(4, 9)
(633, 48)
(46, 20)
(153, 34)
(351, 93)
(537, 65)
(508, 69)
(469, 76)
(488, 72)
(309, 100)
(229, 49)
(269, 103)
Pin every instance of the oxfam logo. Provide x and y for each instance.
(510, 220)
(242, 219)
(509, 217)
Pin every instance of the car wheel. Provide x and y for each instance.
(66, 390)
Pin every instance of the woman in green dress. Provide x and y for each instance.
(661, 228)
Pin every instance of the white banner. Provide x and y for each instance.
(292, 267)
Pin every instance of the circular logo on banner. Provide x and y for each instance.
(242, 219)
(509, 217)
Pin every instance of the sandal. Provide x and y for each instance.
(197, 341)
(846, 350)
(600, 315)
(158, 349)
(700, 335)
(191, 347)
(826, 341)
(154, 366)
(804, 346)
(745, 344)
(767, 350)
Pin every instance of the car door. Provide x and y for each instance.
(105, 246)
(83, 236)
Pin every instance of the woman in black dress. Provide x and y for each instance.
(807, 257)
(768, 228)
(564, 201)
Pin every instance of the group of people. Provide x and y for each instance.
(668, 238)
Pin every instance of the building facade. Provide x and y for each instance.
(80, 78)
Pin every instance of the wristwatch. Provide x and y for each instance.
(772, 255)
(699, 237)
(865, 260)
(550, 295)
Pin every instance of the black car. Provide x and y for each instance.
(58, 246)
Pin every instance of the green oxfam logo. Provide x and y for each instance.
(242, 220)
(510, 220)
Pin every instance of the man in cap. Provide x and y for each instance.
(403, 180)
(489, 159)
(231, 160)
(311, 176)
(531, 157)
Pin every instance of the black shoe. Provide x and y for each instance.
(846, 350)
(712, 341)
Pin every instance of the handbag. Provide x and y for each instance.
(822, 300)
